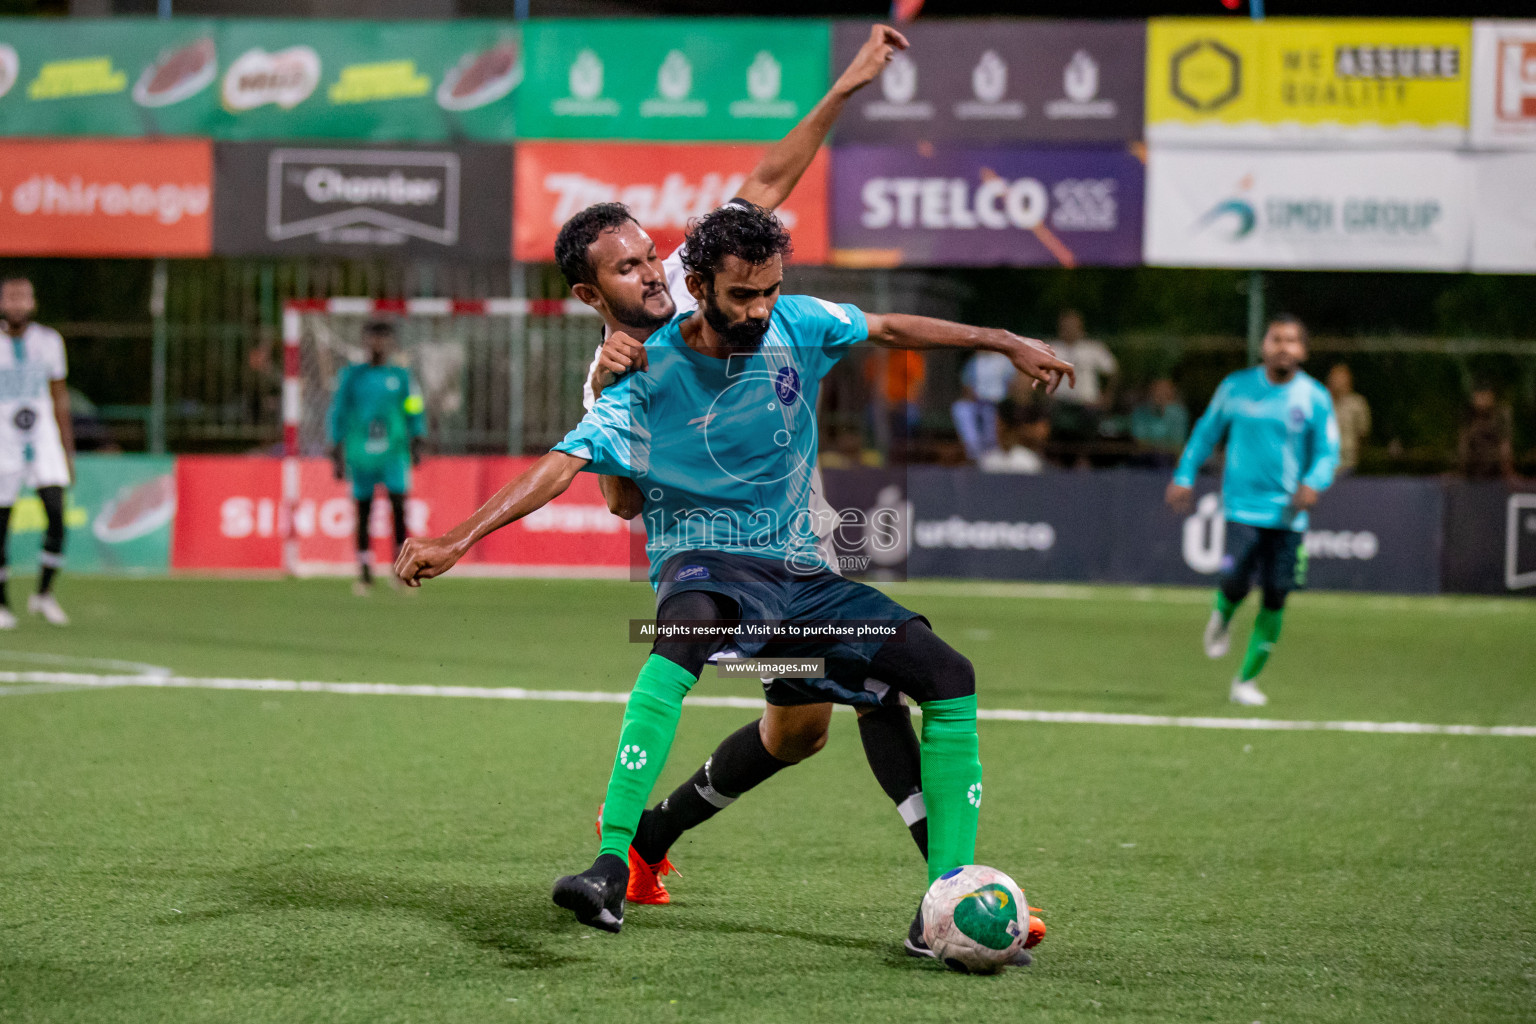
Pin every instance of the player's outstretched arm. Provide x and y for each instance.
(1208, 432)
(1033, 358)
(776, 175)
(422, 558)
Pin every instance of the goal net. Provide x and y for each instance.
(497, 376)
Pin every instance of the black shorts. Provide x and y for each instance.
(1277, 558)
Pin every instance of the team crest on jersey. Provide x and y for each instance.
(691, 572)
(1298, 417)
(25, 418)
(787, 385)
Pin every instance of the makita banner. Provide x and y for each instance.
(1000, 81)
(972, 207)
(1376, 210)
(664, 186)
(289, 200)
(1112, 527)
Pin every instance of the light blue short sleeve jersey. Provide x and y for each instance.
(1279, 437)
(723, 449)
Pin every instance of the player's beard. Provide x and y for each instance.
(636, 317)
(741, 336)
(15, 327)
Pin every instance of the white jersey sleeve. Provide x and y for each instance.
(51, 346)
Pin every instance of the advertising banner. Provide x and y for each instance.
(1330, 81)
(671, 78)
(1504, 224)
(1112, 527)
(1490, 538)
(999, 81)
(1504, 84)
(118, 514)
(231, 518)
(1019, 207)
(414, 201)
(664, 186)
(253, 79)
(128, 198)
(1383, 210)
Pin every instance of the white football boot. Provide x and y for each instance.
(1247, 694)
(47, 606)
(1218, 636)
(7, 618)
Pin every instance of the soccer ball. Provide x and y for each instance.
(975, 919)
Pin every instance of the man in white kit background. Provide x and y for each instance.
(37, 444)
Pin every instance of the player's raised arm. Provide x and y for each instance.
(776, 175)
(422, 558)
(1033, 358)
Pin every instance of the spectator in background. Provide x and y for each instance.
(1160, 424)
(1353, 413)
(1022, 450)
(985, 378)
(1077, 411)
(895, 379)
(1487, 446)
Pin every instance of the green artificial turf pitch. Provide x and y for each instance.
(201, 855)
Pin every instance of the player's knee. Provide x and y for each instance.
(1274, 599)
(796, 742)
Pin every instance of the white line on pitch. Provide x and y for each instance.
(76, 679)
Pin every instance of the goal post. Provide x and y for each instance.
(496, 375)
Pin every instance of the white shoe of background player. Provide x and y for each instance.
(47, 606)
(7, 618)
(1247, 694)
(1218, 636)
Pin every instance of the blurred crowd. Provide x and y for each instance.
(1001, 424)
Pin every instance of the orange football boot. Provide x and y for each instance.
(645, 884)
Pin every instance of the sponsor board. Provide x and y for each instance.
(231, 517)
(1112, 527)
(253, 79)
(1021, 207)
(1490, 538)
(1504, 224)
(1358, 210)
(100, 198)
(1329, 81)
(1504, 84)
(676, 78)
(414, 201)
(118, 513)
(664, 186)
(999, 81)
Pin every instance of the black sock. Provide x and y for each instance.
(891, 747)
(738, 763)
(52, 554)
(5, 536)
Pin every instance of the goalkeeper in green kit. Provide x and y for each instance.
(375, 426)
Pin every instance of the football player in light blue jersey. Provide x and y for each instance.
(721, 442)
(1282, 449)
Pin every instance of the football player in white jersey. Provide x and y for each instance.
(37, 444)
(612, 266)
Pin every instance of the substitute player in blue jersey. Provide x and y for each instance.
(719, 435)
(375, 425)
(1282, 448)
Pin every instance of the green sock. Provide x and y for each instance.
(1266, 631)
(1226, 607)
(951, 773)
(650, 721)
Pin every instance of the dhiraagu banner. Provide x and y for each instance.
(671, 79)
(118, 514)
(1318, 81)
(258, 79)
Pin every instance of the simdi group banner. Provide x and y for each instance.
(664, 186)
(1312, 81)
(1504, 225)
(999, 81)
(130, 197)
(405, 200)
(1005, 206)
(1504, 84)
(231, 518)
(675, 78)
(254, 79)
(1358, 210)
